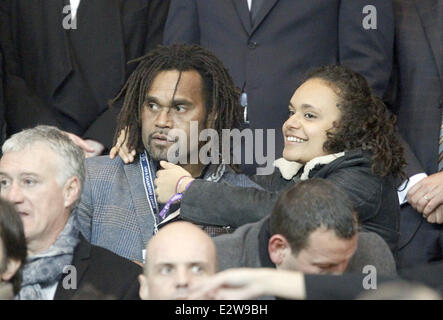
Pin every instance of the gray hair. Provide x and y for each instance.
(72, 158)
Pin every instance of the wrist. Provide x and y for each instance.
(186, 181)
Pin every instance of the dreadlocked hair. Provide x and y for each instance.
(222, 98)
(365, 121)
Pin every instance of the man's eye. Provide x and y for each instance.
(196, 269)
(153, 106)
(29, 182)
(310, 115)
(165, 270)
(180, 108)
(4, 183)
(291, 113)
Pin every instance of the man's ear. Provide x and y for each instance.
(11, 268)
(277, 248)
(71, 191)
(144, 289)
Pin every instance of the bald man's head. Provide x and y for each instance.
(179, 254)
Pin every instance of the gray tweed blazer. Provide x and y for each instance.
(114, 212)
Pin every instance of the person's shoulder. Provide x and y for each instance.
(241, 234)
(354, 163)
(103, 164)
(104, 161)
(355, 157)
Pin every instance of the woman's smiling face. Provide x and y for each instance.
(312, 112)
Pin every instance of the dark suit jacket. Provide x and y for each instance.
(418, 69)
(101, 275)
(417, 101)
(66, 77)
(288, 38)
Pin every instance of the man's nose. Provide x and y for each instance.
(183, 278)
(163, 119)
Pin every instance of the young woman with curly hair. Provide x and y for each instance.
(337, 130)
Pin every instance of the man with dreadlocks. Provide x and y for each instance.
(171, 87)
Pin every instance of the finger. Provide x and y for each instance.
(131, 156)
(80, 142)
(418, 200)
(436, 196)
(160, 173)
(112, 153)
(431, 205)
(124, 155)
(167, 165)
(414, 189)
(83, 144)
(431, 218)
(88, 154)
(121, 138)
(421, 204)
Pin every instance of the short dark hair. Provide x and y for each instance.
(13, 240)
(310, 205)
(222, 98)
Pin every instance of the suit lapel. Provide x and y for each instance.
(241, 6)
(144, 214)
(429, 17)
(265, 9)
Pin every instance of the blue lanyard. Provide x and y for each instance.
(148, 182)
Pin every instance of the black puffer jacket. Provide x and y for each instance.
(374, 197)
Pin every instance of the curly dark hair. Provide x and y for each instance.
(12, 238)
(365, 121)
(222, 98)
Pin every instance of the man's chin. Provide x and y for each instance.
(157, 155)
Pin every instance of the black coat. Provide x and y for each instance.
(66, 77)
(101, 275)
(374, 197)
